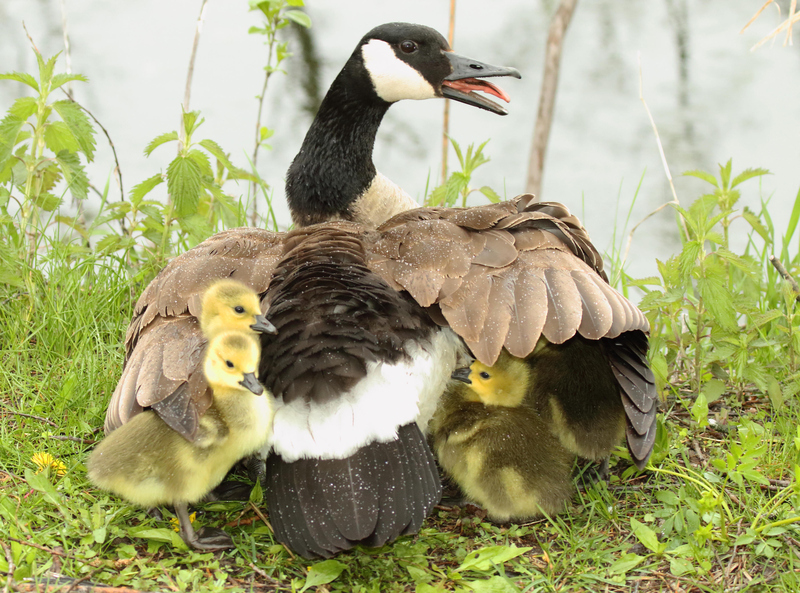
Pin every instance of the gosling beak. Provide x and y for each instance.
(463, 81)
(252, 383)
(462, 374)
(263, 326)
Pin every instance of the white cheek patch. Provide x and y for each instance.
(392, 78)
(389, 396)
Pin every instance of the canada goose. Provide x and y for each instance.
(148, 463)
(169, 379)
(499, 451)
(497, 275)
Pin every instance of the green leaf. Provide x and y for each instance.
(163, 534)
(78, 124)
(61, 79)
(41, 483)
(47, 201)
(491, 194)
(190, 123)
(647, 537)
(495, 584)
(24, 107)
(10, 127)
(74, 174)
(201, 159)
(217, 152)
(183, 184)
(708, 177)
(751, 217)
(680, 566)
(700, 410)
(196, 226)
(625, 563)
(159, 140)
(486, 558)
(322, 573)
(713, 390)
(748, 174)
(299, 17)
(718, 300)
(775, 393)
(58, 137)
(22, 77)
(140, 190)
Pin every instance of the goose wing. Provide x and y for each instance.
(503, 274)
(164, 345)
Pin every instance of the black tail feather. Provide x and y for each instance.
(320, 507)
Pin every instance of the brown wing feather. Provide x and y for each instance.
(164, 344)
(468, 262)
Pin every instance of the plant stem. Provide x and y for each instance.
(190, 73)
(267, 73)
(446, 122)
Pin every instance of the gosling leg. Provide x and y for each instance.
(208, 538)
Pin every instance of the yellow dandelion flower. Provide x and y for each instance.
(45, 461)
(176, 524)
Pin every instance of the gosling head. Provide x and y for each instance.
(503, 384)
(232, 362)
(230, 305)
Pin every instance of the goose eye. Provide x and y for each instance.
(408, 47)
(239, 309)
(485, 375)
(229, 363)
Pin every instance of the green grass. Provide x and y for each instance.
(716, 511)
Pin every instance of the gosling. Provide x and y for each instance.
(499, 451)
(230, 305)
(149, 464)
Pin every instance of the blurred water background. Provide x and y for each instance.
(711, 97)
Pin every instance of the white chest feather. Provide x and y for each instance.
(390, 396)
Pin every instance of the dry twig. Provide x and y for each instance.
(547, 97)
(786, 275)
(446, 123)
(190, 72)
(11, 567)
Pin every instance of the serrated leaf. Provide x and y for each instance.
(183, 184)
(58, 137)
(140, 190)
(647, 537)
(486, 558)
(487, 191)
(202, 160)
(707, 177)
(24, 107)
(751, 218)
(74, 175)
(22, 77)
(718, 300)
(322, 573)
(78, 124)
(196, 226)
(61, 79)
(299, 17)
(217, 152)
(9, 130)
(47, 201)
(748, 174)
(190, 123)
(159, 140)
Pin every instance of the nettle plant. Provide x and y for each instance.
(41, 143)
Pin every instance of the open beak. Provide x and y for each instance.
(263, 326)
(464, 80)
(462, 374)
(252, 383)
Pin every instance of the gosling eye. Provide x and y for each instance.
(239, 309)
(408, 47)
(229, 363)
(485, 375)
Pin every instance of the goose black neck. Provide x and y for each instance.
(334, 165)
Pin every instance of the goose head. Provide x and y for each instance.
(407, 61)
(231, 363)
(503, 384)
(333, 176)
(230, 305)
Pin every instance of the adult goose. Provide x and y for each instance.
(496, 276)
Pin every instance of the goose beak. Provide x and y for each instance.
(263, 326)
(464, 80)
(462, 374)
(251, 383)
